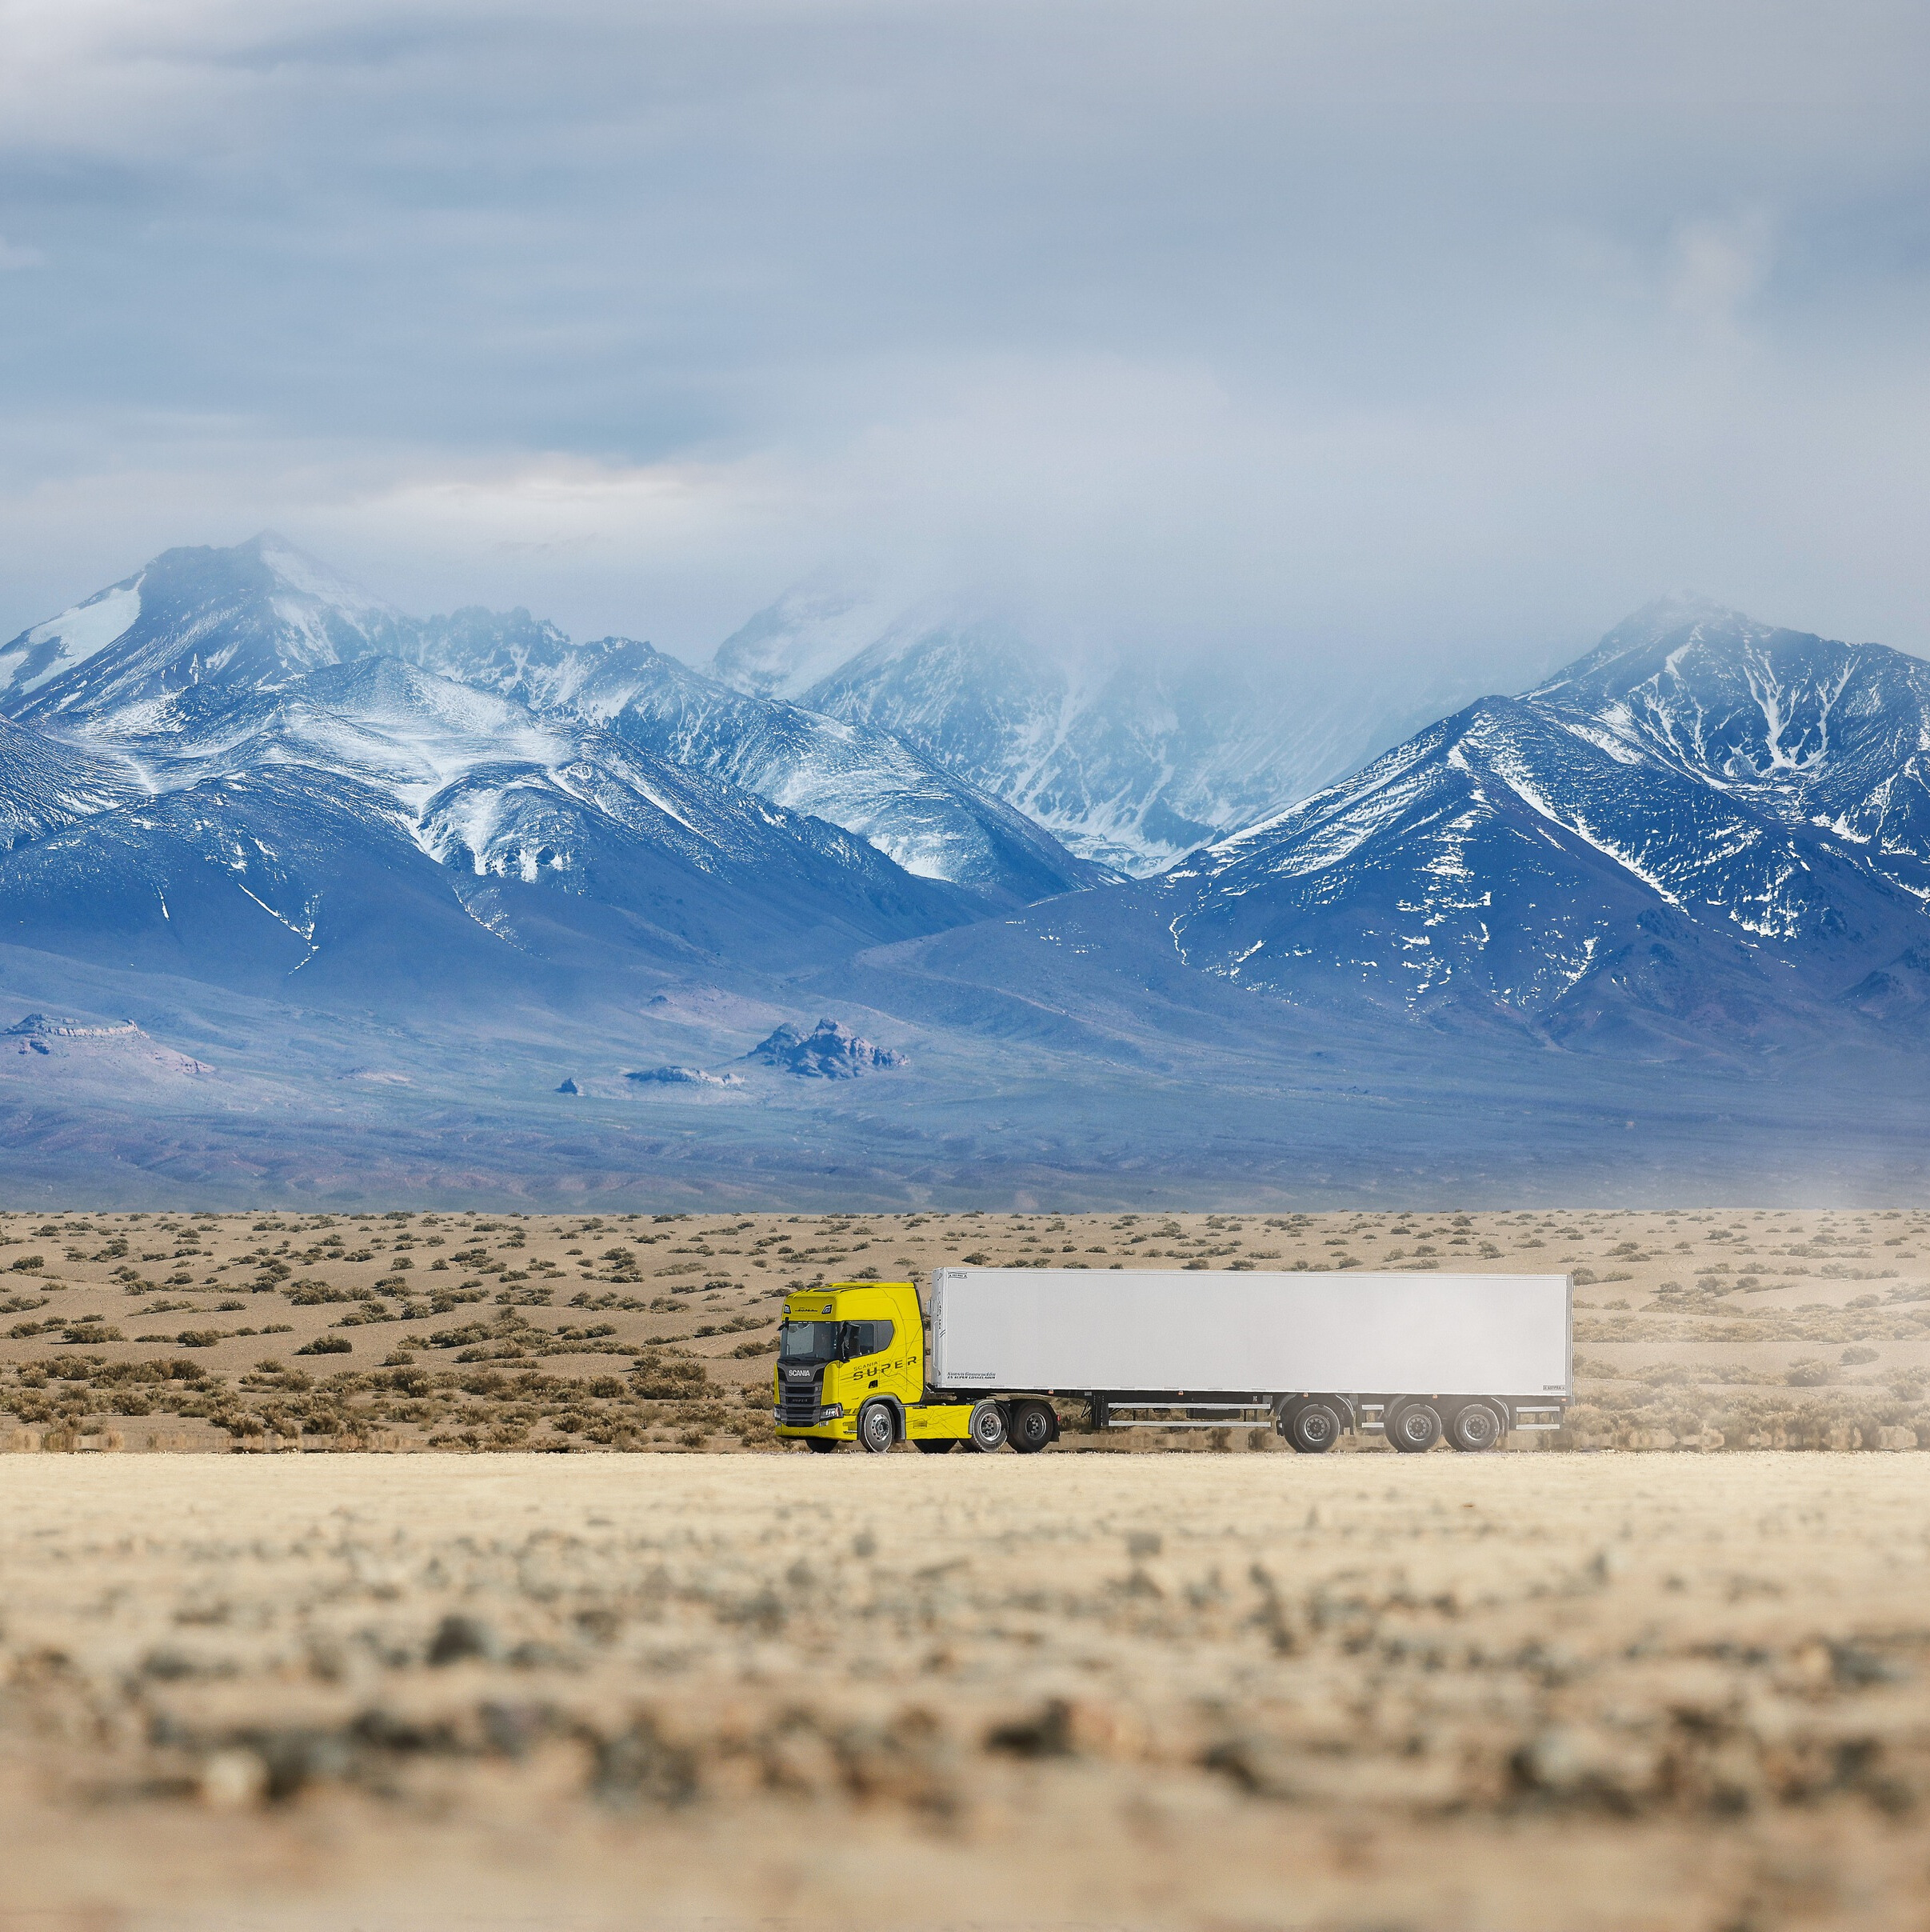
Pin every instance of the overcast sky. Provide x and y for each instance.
(1447, 331)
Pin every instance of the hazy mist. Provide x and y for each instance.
(1438, 337)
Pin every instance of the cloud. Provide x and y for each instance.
(1717, 267)
(1438, 333)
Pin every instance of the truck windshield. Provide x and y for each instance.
(807, 1341)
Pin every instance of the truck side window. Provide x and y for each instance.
(867, 1338)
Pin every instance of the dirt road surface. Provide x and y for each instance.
(1610, 1690)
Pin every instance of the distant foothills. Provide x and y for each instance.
(415, 899)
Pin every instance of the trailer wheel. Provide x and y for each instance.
(988, 1428)
(1031, 1427)
(1313, 1428)
(1414, 1428)
(934, 1445)
(820, 1445)
(1475, 1430)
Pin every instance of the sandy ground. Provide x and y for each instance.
(1609, 1690)
(1759, 1328)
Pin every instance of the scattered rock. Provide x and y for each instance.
(570, 1087)
(684, 1076)
(458, 1637)
(639, 1765)
(233, 1780)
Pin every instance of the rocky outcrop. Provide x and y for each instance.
(830, 1051)
(685, 1076)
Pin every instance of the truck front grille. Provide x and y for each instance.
(797, 1403)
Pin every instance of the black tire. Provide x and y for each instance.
(820, 1445)
(934, 1445)
(1414, 1428)
(989, 1428)
(1313, 1428)
(1475, 1428)
(877, 1428)
(1032, 1427)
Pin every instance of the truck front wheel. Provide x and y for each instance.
(1313, 1428)
(1031, 1427)
(877, 1428)
(988, 1428)
(1414, 1428)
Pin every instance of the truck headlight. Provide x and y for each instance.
(831, 1412)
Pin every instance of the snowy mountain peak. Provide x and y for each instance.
(1704, 822)
(250, 617)
(807, 633)
(309, 578)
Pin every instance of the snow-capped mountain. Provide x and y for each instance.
(1131, 765)
(248, 742)
(865, 781)
(44, 785)
(1809, 731)
(165, 664)
(1703, 823)
(869, 782)
(250, 618)
(806, 634)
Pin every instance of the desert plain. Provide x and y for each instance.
(1608, 1691)
(466, 1331)
(1678, 1677)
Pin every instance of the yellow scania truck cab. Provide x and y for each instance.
(851, 1365)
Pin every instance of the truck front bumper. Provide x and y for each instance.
(795, 1418)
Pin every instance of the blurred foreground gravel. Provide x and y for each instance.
(1366, 1692)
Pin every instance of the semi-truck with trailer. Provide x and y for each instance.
(998, 1355)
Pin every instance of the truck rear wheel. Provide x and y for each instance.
(1032, 1427)
(988, 1428)
(1313, 1428)
(1475, 1428)
(877, 1428)
(1414, 1427)
(933, 1445)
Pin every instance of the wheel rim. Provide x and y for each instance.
(877, 1431)
(1477, 1427)
(1314, 1427)
(988, 1430)
(1415, 1428)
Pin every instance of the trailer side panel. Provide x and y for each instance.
(1187, 1330)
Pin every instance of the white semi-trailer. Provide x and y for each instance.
(1416, 1356)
